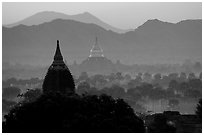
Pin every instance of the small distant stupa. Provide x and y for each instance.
(96, 50)
(96, 62)
(58, 77)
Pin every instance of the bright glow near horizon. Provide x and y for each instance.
(122, 15)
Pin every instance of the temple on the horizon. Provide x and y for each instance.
(96, 50)
(96, 62)
(58, 77)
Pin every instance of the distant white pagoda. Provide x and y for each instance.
(96, 50)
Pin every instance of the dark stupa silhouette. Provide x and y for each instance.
(58, 77)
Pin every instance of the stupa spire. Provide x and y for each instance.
(58, 55)
(96, 51)
(96, 42)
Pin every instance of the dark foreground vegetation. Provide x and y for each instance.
(57, 113)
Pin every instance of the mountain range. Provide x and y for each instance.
(48, 16)
(153, 42)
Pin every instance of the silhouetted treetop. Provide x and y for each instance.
(57, 112)
(199, 109)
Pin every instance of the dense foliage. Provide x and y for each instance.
(199, 109)
(161, 125)
(57, 112)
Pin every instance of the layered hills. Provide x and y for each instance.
(153, 42)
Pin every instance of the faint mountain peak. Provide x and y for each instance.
(156, 21)
(87, 13)
(38, 18)
(154, 24)
(190, 21)
(49, 13)
(48, 16)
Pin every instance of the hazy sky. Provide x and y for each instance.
(121, 15)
